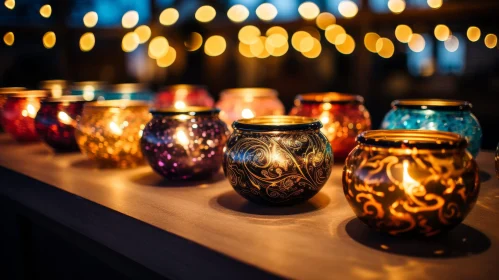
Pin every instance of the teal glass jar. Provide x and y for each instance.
(436, 114)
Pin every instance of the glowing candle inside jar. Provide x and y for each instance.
(65, 118)
(247, 114)
(407, 181)
(56, 90)
(88, 93)
(180, 105)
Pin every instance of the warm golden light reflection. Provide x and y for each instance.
(417, 43)
(30, 111)
(473, 33)
(238, 13)
(335, 34)
(452, 44)
(348, 46)
(396, 6)
(442, 32)
(215, 45)
(266, 12)
(247, 113)
(348, 8)
(9, 38)
(297, 38)
(308, 10)
(64, 118)
(179, 105)
(324, 20)
(87, 42)
(90, 19)
(168, 16)
(46, 11)
(49, 40)
(307, 44)
(403, 33)
(130, 42)
(434, 4)
(130, 19)
(276, 40)
(88, 92)
(277, 30)
(385, 47)
(490, 41)
(158, 47)
(194, 42)
(167, 59)
(144, 33)
(10, 4)
(370, 40)
(205, 13)
(249, 34)
(316, 49)
(245, 50)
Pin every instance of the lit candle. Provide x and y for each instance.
(55, 87)
(182, 96)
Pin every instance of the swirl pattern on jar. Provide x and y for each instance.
(182, 96)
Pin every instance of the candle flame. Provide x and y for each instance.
(247, 113)
(30, 111)
(115, 128)
(180, 105)
(405, 175)
(64, 117)
(56, 91)
(88, 93)
(182, 138)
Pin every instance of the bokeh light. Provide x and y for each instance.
(10, 4)
(308, 10)
(258, 47)
(417, 43)
(194, 42)
(90, 19)
(324, 20)
(130, 42)
(435, 4)
(167, 59)
(130, 19)
(490, 41)
(403, 33)
(385, 47)
(316, 49)
(277, 30)
(473, 33)
(87, 42)
(266, 51)
(396, 6)
(215, 45)
(276, 40)
(442, 32)
(49, 40)
(280, 51)
(205, 13)
(158, 47)
(9, 38)
(238, 13)
(249, 34)
(335, 34)
(370, 40)
(297, 38)
(144, 33)
(348, 46)
(348, 9)
(307, 44)
(244, 50)
(451, 44)
(314, 32)
(168, 16)
(46, 11)
(266, 12)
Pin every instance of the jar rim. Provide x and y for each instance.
(277, 123)
(118, 103)
(183, 86)
(420, 139)
(65, 98)
(433, 104)
(44, 84)
(81, 85)
(37, 93)
(189, 110)
(11, 90)
(250, 92)
(128, 88)
(330, 97)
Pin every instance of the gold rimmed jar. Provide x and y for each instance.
(277, 160)
(109, 132)
(411, 182)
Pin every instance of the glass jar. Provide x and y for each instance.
(4, 93)
(181, 96)
(109, 132)
(127, 91)
(497, 161)
(19, 112)
(343, 116)
(56, 88)
(245, 103)
(277, 160)
(187, 143)
(56, 120)
(436, 114)
(405, 182)
(89, 90)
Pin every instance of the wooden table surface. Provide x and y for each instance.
(189, 229)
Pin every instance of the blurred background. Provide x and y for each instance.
(380, 49)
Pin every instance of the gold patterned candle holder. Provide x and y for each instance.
(406, 182)
(277, 160)
(109, 132)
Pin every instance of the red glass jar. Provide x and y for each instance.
(6, 92)
(56, 120)
(343, 116)
(182, 96)
(19, 112)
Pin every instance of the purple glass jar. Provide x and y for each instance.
(185, 143)
(56, 120)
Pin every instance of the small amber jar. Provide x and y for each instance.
(411, 182)
(109, 132)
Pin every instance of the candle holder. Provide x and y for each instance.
(246, 103)
(19, 112)
(56, 120)
(56, 88)
(277, 160)
(343, 116)
(497, 161)
(109, 132)
(182, 96)
(187, 143)
(436, 114)
(129, 91)
(4, 94)
(89, 90)
(411, 182)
